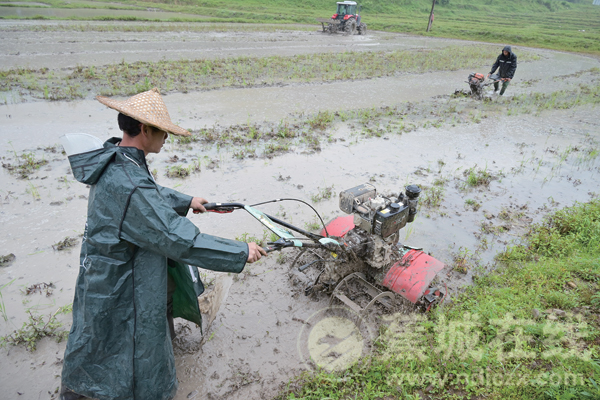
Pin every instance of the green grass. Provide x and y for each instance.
(322, 194)
(36, 328)
(560, 25)
(529, 330)
(477, 177)
(205, 74)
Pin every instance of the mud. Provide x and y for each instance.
(539, 163)
(29, 12)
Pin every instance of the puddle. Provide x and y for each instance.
(251, 347)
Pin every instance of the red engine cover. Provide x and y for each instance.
(411, 276)
(339, 226)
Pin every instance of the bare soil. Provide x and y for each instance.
(539, 163)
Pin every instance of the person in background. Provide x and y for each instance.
(507, 65)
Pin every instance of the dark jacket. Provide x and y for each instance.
(507, 65)
(119, 346)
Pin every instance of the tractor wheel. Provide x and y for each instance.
(362, 29)
(350, 27)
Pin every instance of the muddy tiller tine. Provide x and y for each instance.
(376, 294)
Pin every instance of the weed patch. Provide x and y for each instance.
(42, 288)
(432, 197)
(66, 243)
(26, 165)
(36, 328)
(322, 194)
(472, 204)
(477, 177)
(6, 260)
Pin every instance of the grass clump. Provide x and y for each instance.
(432, 197)
(322, 194)
(7, 260)
(477, 177)
(66, 243)
(26, 165)
(36, 328)
(249, 238)
(181, 171)
(529, 330)
(472, 204)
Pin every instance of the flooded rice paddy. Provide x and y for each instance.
(533, 164)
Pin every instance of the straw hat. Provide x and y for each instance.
(148, 108)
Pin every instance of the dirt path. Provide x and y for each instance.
(538, 161)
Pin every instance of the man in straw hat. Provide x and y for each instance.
(134, 255)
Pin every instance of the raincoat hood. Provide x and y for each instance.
(507, 48)
(88, 167)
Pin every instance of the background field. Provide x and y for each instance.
(560, 25)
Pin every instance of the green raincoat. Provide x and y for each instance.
(136, 233)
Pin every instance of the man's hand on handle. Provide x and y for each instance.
(255, 252)
(197, 206)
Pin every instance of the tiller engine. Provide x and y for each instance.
(477, 82)
(370, 266)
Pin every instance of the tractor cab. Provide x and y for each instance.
(344, 10)
(346, 19)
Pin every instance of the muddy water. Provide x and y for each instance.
(251, 347)
(68, 49)
(28, 12)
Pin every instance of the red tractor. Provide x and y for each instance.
(346, 19)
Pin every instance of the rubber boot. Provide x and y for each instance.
(504, 86)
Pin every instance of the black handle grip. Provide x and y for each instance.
(209, 206)
(222, 208)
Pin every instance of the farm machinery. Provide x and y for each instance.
(478, 82)
(357, 259)
(346, 19)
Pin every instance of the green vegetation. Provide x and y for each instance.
(2, 306)
(66, 243)
(181, 171)
(561, 25)
(314, 225)
(205, 74)
(529, 330)
(477, 177)
(432, 197)
(26, 164)
(271, 138)
(248, 238)
(322, 194)
(36, 328)
(472, 204)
